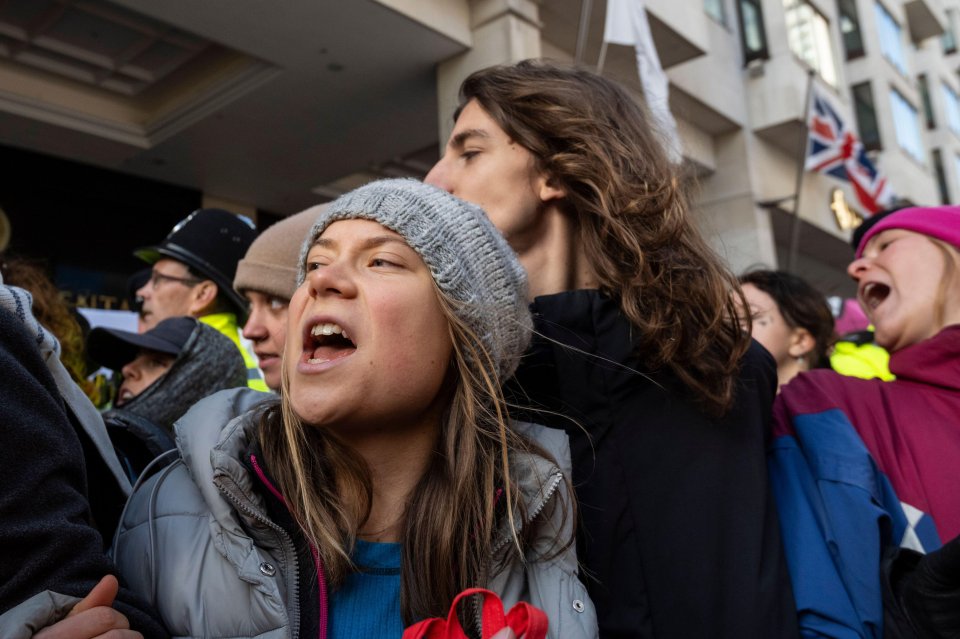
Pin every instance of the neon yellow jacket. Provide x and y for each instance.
(226, 323)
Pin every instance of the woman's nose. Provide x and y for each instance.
(332, 279)
(856, 268)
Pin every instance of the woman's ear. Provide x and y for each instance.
(801, 342)
(549, 189)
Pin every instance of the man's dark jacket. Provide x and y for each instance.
(678, 533)
(48, 537)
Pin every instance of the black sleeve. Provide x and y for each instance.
(921, 593)
(47, 541)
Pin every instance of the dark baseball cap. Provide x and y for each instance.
(211, 242)
(115, 349)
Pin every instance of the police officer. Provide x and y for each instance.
(192, 275)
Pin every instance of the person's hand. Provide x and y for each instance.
(506, 633)
(93, 617)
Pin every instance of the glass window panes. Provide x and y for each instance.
(924, 89)
(714, 9)
(906, 122)
(949, 39)
(752, 32)
(850, 28)
(891, 39)
(951, 108)
(808, 34)
(866, 116)
(956, 172)
(949, 42)
(941, 176)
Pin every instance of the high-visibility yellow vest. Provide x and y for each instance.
(226, 323)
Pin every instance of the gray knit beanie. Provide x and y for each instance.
(467, 257)
(270, 265)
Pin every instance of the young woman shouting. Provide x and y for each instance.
(388, 477)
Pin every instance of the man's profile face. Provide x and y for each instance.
(168, 293)
(482, 165)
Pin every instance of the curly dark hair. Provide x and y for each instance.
(53, 313)
(801, 306)
(631, 206)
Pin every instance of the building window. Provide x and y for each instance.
(956, 170)
(850, 28)
(948, 40)
(952, 110)
(866, 116)
(941, 176)
(906, 122)
(808, 34)
(891, 39)
(714, 9)
(753, 35)
(924, 90)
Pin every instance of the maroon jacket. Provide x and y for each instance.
(911, 426)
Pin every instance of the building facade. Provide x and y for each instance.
(121, 116)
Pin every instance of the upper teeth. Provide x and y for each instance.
(328, 329)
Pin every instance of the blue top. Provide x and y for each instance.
(367, 605)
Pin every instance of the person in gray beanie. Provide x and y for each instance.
(460, 247)
(165, 371)
(388, 470)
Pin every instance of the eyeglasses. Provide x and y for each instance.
(156, 278)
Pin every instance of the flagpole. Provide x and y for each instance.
(586, 8)
(793, 255)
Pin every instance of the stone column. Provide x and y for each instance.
(503, 31)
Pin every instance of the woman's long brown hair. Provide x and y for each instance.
(595, 141)
(452, 515)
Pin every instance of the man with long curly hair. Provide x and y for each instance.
(638, 354)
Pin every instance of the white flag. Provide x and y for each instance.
(626, 24)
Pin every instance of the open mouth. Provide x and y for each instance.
(124, 396)
(325, 342)
(873, 294)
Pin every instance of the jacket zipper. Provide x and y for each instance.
(549, 490)
(321, 577)
(322, 589)
(288, 547)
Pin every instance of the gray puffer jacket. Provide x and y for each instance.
(195, 539)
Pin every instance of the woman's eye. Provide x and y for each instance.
(469, 155)
(277, 304)
(379, 262)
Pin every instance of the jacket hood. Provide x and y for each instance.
(207, 363)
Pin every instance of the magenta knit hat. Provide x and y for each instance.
(940, 222)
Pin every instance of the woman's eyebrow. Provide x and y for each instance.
(368, 243)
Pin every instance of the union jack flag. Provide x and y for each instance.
(834, 149)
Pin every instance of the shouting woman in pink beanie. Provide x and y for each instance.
(863, 469)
